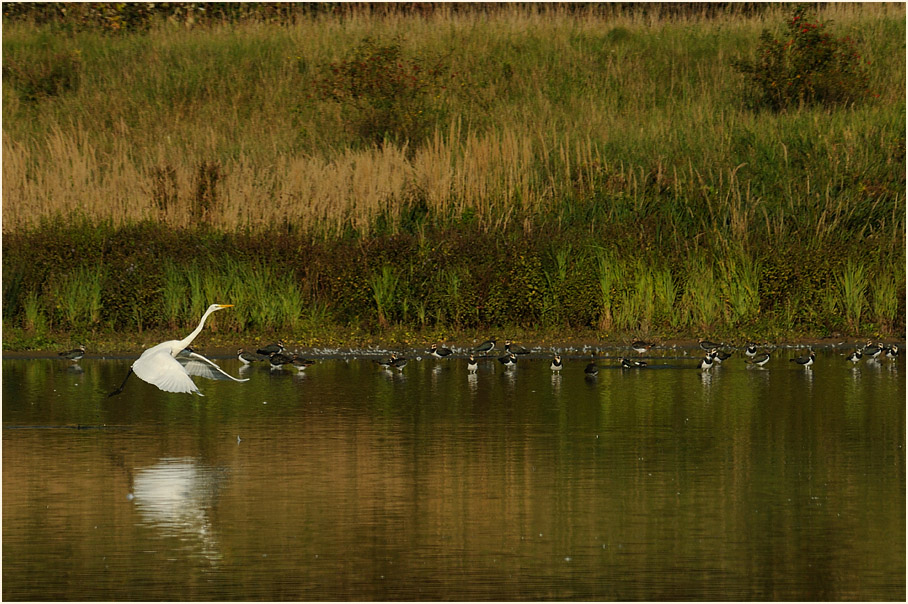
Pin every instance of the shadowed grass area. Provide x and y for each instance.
(463, 280)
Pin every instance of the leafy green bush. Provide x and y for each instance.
(810, 67)
(384, 94)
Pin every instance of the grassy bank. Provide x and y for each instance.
(454, 170)
(84, 281)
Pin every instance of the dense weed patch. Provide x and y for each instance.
(91, 279)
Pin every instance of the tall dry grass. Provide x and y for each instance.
(571, 119)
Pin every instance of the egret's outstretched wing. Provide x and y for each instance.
(196, 364)
(165, 372)
(158, 367)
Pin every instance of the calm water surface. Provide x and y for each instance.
(350, 482)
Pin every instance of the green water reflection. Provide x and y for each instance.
(350, 482)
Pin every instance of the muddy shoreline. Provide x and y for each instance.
(570, 346)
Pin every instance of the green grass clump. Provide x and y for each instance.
(264, 298)
(610, 274)
(384, 292)
(665, 290)
(34, 319)
(78, 297)
(888, 295)
(636, 298)
(174, 294)
(700, 301)
(739, 287)
(853, 283)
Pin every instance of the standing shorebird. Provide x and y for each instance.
(556, 363)
(301, 364)
(872, 350)
(485, 347)
(509, 360)
(387, 363)
(271, 348)
(892, 352)
(708, 361)
(247, 357)
(472, 365)
(279, 359)
(855, 356)
(591, 370)
(510, 347)
(722, 355)
(73, 355)
(806, 361)
(640, 346)
(758, 359)
(439, 352)
(708, 346)
(750, 350)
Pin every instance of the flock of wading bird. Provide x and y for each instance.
(170, 364)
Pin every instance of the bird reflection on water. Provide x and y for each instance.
(175, 497)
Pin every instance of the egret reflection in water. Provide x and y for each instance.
(175, 497)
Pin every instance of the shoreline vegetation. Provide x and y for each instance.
(350, 174)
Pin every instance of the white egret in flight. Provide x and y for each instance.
(168, 367)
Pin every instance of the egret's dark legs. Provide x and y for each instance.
(120, 389)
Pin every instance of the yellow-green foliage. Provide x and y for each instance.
(77, 296)
(888, 288)
(384, 290)
(853, 283)
(701, 302)
(34, 318)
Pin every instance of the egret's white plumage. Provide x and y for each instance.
(196, 364)
(168, 367)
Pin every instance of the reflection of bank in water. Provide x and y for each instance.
(175, 496)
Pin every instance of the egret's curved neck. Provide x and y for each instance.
(188, 339)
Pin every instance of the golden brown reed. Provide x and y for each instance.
(485, 173)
